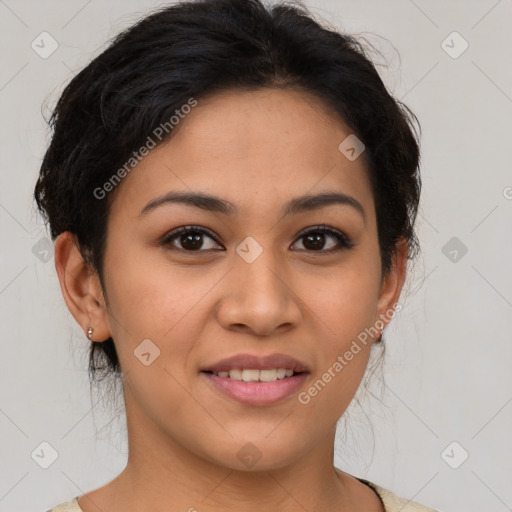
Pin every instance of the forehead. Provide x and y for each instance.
(254, 148)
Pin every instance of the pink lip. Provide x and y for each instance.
(252, 362)
(257, 393)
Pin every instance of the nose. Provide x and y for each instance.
(259, 298)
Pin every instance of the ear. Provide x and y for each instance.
(392, 283)
(81, 287)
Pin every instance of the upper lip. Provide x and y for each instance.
(254, 362)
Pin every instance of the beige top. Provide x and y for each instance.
(392, 503)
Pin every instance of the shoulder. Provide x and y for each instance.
(68, 506)
(394, 503)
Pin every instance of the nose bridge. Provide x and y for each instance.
(259, 297)
(257, 270)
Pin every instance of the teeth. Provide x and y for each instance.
(235, 374)
(250, 375)
(268, 375)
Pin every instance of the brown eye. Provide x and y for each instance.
(189, 239)
(192, 239)
(315, 240)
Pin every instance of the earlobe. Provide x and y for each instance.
(392, 284)
(80, 287)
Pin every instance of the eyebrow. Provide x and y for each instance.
(216, 204)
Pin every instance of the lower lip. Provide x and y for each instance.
(257, 393)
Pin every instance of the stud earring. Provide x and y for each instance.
(380, 337)
(89, 333)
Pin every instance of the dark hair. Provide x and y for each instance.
(194, 49)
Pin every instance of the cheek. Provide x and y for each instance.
(145, 292)
(157, 301)
(343, 301)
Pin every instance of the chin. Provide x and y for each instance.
(251, 454)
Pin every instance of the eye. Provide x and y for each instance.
(189, 237)
(315, 239)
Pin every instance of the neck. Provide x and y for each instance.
(162, 475)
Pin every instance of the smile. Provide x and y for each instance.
(267, 375)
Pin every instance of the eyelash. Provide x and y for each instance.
(343, 240)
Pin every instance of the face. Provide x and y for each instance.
(252, 279)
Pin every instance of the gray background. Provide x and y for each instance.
(449, 351)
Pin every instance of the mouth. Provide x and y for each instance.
(255, 375)
(254, 380)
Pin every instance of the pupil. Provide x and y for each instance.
(192, 241)
(316, 239)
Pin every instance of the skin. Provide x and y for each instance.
(257, 149)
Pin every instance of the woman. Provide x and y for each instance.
(232, 194)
